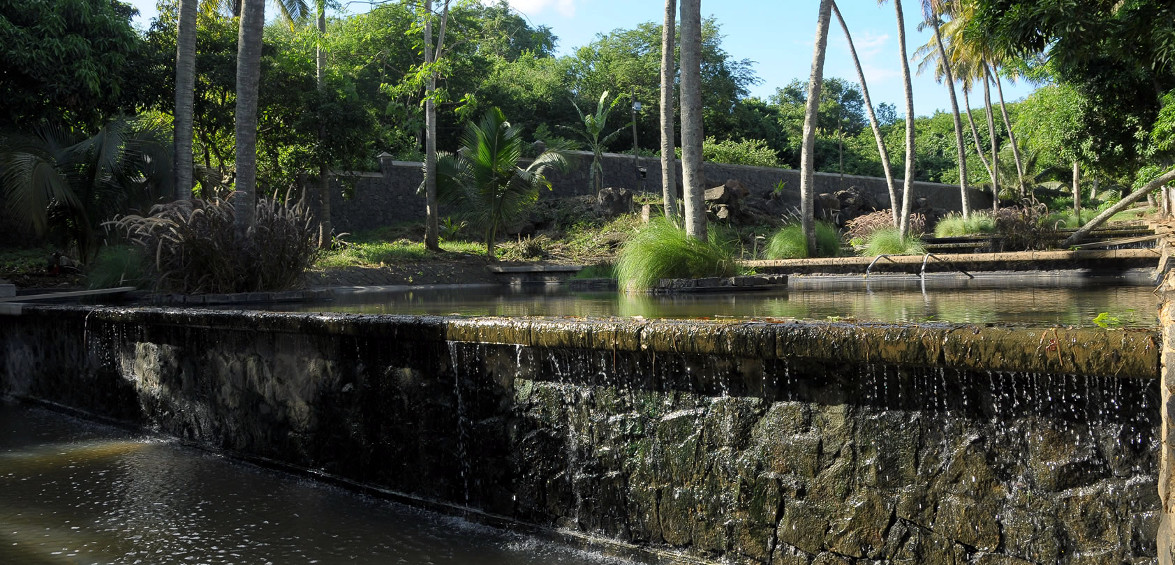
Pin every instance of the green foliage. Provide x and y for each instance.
(118, 265)
(597, 271)
(67, 61)
(752, 152)
(196, 250)
(790, 243)
(62, 183)
(953, 225)
(484, 177)
(591, 128)
(663, 251)
(451, 228)
(1023, 228)
(1064, 218)
(889, 241)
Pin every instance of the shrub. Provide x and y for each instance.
(663, 251)
(1066, 219)
(862, 227)
(953, 225)
(742, 152)
(889, 242)
(1023, 229)
(789, 242)
(195, 248)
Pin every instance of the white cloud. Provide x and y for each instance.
(566, 8)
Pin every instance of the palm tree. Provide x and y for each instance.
(591, 129)
(431, 56)
(932, 9)
(323, 190)
(691, 119)
(248, 77)
(885, 165)
(185, 92)
(908, 182)
(59, 180)
(811, 108)
(995, 154)
(484, 177)
(668, 68)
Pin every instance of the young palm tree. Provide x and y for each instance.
(58, 180)
(668, 68)
(808, 147)
(484, 177)
(937, 55)
(691, 119)
(591, 129)
(885, 165)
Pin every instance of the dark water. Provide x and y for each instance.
(76, 492)
(1117, 305)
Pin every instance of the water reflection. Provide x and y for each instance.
(1131, 306)
(73, 492)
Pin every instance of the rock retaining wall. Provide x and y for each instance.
(751, 442)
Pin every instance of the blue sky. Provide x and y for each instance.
(776, 34)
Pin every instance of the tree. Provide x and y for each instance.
(431, 225)
(248, 76)
(908, 182)
(668, 68)
(591, 129)
(932, 10)
(485, 179)
(874, 125)
(185, 93)
(807, 159)
(691, 119)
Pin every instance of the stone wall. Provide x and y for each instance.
(390, 196)
(808, 442)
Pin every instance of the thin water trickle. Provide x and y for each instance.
(463, 422)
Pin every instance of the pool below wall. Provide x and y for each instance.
(797, 442)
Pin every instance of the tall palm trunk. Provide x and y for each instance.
(975, 132)
(185, 92)
(959, 143)
(668, 66)
(691, 119)
(808, 148)
(995, 153)
(248, 77)
(432, 215)
(885, 165)
(908, 182)
(324, 223)
(1011, 135)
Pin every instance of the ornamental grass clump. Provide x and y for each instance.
(192, 246)
(789, 242)
(663, 251)
(953, 225)
(889, 241)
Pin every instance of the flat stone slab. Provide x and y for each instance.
(7, 289)
(721, 284)
(1015, 261)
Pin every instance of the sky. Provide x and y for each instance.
(777, 35)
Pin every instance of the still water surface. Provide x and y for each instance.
(1122, 305)
(76, 492)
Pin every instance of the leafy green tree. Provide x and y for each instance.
(67, 61)
(591, 128)
(484, 177)
(64, 183)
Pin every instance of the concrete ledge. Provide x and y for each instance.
(1017, 261)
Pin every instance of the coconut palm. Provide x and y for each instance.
(248, 77)
(932, 11)
(885, 165)
(58, 180)
(591, 129)
(808, 147)
(668, 68)
(691, 119)
(185, 92)
(908, 182)
(484, 177)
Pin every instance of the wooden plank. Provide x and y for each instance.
(69, 294)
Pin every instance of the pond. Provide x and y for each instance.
(1058, 299)
(73, 491)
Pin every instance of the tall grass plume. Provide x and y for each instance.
(663, 251)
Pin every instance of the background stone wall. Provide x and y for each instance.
(759, 443)
(390, 196)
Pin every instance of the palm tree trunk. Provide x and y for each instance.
(668, 159)
(691, 119)
(324, 224)
(185, 92)
(908, 182)
(995, 153)
(808, 147)
(1011, 135)
(248, 77)
(431, 222)
(959, 143)
(975, 133)
(885, 165)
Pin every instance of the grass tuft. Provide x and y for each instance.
(953, 225)
(663, 251)
(789, 242)
(890, 242)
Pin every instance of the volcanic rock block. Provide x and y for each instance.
(613, 201)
